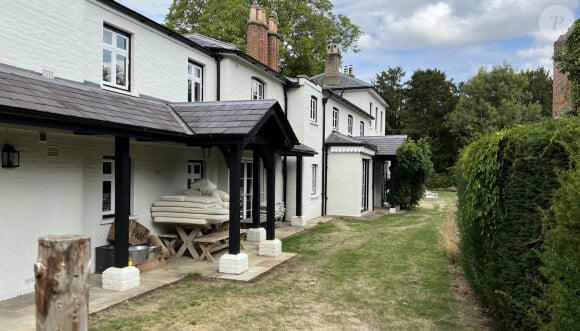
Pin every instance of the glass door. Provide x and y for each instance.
(246, 189)
(365, 185)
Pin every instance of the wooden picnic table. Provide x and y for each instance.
(188, 229)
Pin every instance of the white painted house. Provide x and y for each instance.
(90, 88)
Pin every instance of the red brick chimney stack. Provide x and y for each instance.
(258, 34)
(273, 45)
(561, 86)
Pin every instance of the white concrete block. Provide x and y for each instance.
(120, 279)
(392, 210)
(298, 221)
(256, 235)
(270, 248)
(234, 263)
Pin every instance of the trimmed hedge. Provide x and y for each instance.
(506, 183)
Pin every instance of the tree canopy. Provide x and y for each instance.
(495, 99)
(305, 28)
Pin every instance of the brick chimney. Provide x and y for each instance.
(273, 45)
(258, 34)
(561, 86)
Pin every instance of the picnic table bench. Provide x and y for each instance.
(215, 241)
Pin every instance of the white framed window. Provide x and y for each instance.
(349, 124)
(195, 171)
(362, 128)
(376, 118)
(335, 114)
(116, 50)
(194, 82)
(381, 123)
(314, 109)
(108, 187)
(314, 178)
(257, 89)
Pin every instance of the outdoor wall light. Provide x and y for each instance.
(10, 157)
(206, 152)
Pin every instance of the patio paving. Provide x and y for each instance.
(19, 313)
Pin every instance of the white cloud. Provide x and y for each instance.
(153, 9)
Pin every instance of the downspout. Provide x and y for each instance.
(218, 60)
(324, 159)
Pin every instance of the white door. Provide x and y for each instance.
(246, 189)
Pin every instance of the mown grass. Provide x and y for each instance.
(387, 274)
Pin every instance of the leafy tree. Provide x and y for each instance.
(493, 100)
(390, 86)
(540, 85)
(568, 62)
(305, 28)
(411, 170)
(429, 98)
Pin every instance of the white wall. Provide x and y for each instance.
(362, 99)
(66, 37)
(344, 111)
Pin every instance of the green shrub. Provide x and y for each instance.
(410, 171)
(441, 181)
(506, 183)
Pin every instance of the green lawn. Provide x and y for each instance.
(386, 274)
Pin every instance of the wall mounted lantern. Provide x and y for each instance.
(206, 152)
(10, 157)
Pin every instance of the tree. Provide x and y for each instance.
(429, 98)
(540, 86)
(390, 87)
(305, 28)
(493, 100)
(568, 62)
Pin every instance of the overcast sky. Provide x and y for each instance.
(455, 36)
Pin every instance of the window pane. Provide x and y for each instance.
(106, 66)
(107, 168)
(121, 70)
(189, 68)
(197, 95)
(189, 92)
(107, 196)
(197, 72)
(107, 37)
(121, 42)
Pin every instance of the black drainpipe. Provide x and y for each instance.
(324, 158)
(218, 60)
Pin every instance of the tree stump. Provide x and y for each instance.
(62, 282)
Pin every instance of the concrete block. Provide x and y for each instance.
(272, 248)
(120, 279)
(234, 263)
(298, 221)
(392, 210)
(256, 235)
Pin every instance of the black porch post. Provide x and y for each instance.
(299, 166)
(270, 165)
(233, 156)
(122, 198)
(383, 178)
(392, 168)
(256, 193)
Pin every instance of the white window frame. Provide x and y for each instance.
(335, 116)
(110, 213)
(258, 89)
(314, 179)
(362, 128)
(349, 125)
(195, 171)
(194, 75)
(381, 123)
(313, 109)
(376, 119)
(115, 52)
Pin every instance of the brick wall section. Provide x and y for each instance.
(561, 87)
(273, 44)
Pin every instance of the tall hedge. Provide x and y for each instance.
(506, 183)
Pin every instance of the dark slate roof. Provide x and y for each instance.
(344, 82)
(29, 95)
(210, 43)
(300, 150)
(234, 118)
(385, 145)
(338, 139)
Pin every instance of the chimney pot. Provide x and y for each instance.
(350, 70)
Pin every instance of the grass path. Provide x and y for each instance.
(386, 274)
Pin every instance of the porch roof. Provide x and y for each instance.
(385, 145)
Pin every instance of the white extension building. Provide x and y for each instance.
(106, 111)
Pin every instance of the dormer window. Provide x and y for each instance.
(116, 49)
(349, 125)
(194, 82)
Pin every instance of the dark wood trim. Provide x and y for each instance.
(122, 201)
(257, 189)
(299, 171)
(269, 156)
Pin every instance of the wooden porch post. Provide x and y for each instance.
(256, 193)
(122, 199)
(270, 165)
(62, 282)
(393, 201)
(233, 156)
